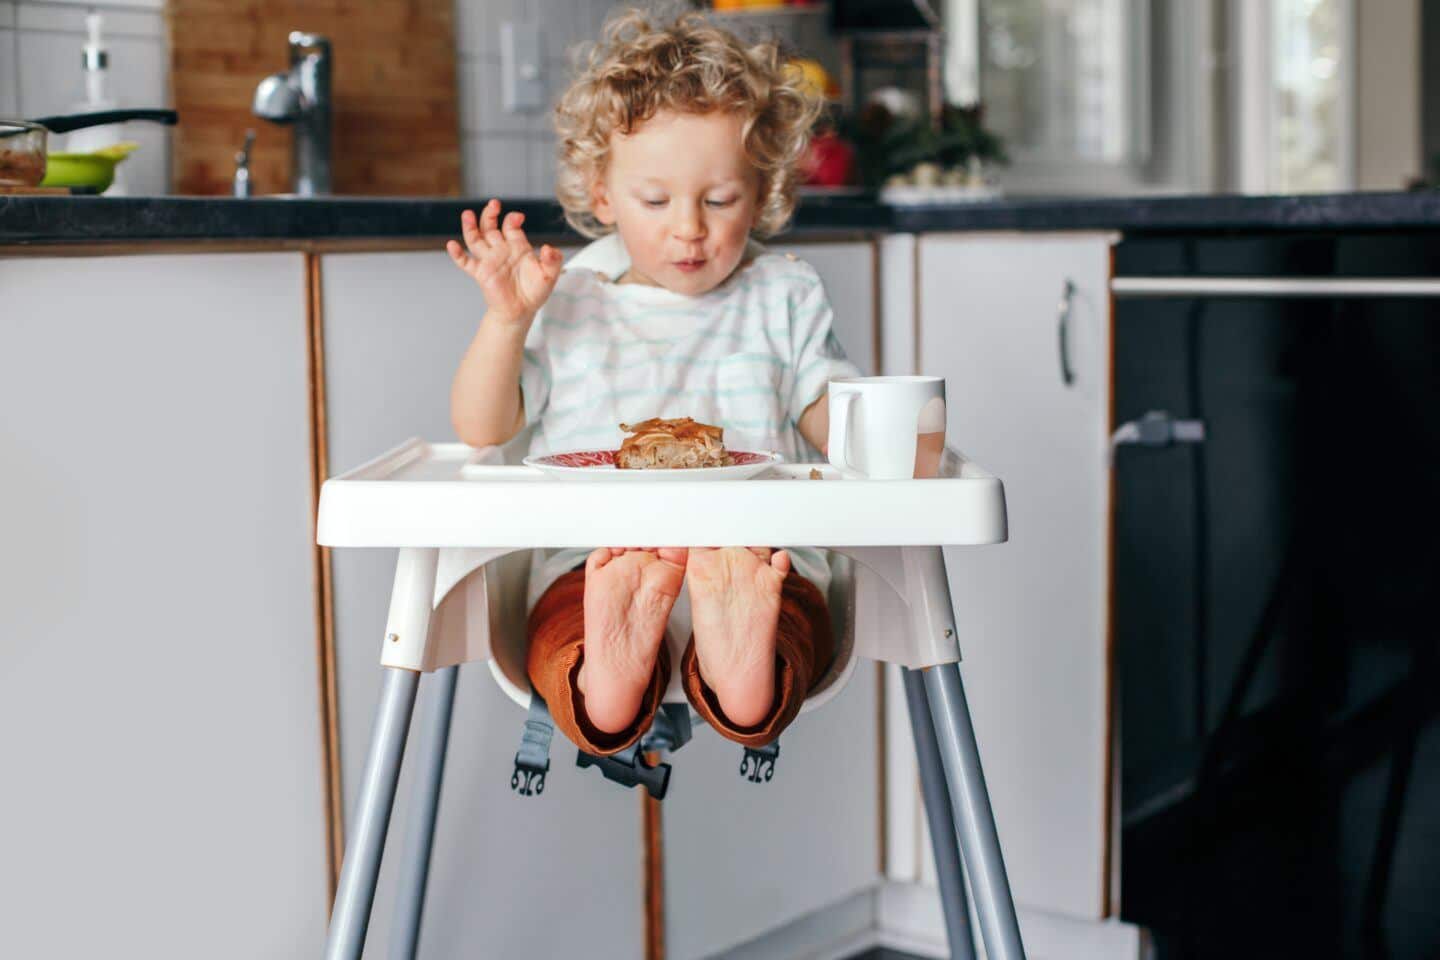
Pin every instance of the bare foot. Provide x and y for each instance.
(628, 596)
(735, 600)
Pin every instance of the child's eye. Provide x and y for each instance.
(719, 204)
(653, 203)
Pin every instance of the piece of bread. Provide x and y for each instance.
(671, 445)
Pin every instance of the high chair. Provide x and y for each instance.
(465, 522)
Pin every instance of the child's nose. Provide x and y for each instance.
(689, 222)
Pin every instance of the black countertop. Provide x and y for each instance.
(70, 220)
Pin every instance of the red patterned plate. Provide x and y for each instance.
(600, 465)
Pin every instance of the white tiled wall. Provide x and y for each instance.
(9, 72)
(512, 154)
(40, 70)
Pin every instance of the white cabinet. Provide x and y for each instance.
(744, 858)
(161, 749)
(1033, 611)
(396, 325)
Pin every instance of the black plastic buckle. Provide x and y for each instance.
(758, 763)
(628, 768)
(528, 780)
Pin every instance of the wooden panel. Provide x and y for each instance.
(396, 123)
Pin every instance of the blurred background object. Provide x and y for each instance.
(1089, 97)
(395, 122)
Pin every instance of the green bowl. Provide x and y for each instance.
(79, 170)
(95, 170)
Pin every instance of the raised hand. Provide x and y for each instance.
(515, 279)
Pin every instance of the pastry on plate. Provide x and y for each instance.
(679, 444)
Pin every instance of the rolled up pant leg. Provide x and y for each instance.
(804, 647)
(556, 630)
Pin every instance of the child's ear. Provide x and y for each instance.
(600, 202)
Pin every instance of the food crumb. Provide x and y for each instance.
(815, 474)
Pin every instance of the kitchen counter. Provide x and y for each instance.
(84, 220)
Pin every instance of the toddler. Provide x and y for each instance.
(678, 143)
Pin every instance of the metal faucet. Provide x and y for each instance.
(240, 185)
(301, 96)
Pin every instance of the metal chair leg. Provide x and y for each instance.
(940, 819)
(979, 842)
(420, 830)
(356, 893)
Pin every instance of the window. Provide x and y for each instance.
(1064, 82)
(1308, 142)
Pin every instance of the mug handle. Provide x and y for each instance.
(838, 447)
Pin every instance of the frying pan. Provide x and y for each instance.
(23, 142)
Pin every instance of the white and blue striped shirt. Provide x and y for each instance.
(750, 356)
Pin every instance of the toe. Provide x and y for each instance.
(664, 578)
(598, 558)
(780, 561)
(677, 556)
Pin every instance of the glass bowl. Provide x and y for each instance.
(22, 153)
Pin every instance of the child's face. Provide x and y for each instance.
(682, 195)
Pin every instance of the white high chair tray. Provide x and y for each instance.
(423, 495)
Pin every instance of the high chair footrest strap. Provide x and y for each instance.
(628, 768)
(670, 730)
(532, 760)
(758, 763)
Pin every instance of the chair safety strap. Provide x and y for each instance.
(532, 760)
(757, 764)
(670, 730)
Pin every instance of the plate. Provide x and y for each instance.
(600, 465)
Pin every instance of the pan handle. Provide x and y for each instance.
(78, 121)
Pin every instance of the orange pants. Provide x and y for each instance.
(803, 650)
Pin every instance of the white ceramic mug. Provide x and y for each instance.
(887, 428)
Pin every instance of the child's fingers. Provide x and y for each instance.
(489, 223)
(780, 561)
(470, 230)
(515, 240)
(551, 261)
(458, 254)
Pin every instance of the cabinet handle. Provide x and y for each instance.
(1067, 375)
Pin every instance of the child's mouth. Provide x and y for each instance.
(689, 266)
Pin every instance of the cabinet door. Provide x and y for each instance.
(744, 858)
(1033, 611)
(158, 690)
(396, 325)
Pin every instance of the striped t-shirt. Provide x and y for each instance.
(750, 356)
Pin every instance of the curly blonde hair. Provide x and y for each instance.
(642, 65)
